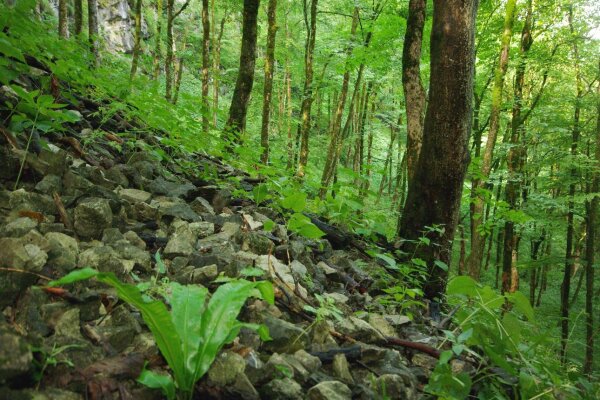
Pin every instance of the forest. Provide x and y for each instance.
(287, 199)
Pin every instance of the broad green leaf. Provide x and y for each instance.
(268, 225)
(463, 337)
(302, 225)
(522, 304)
(157, 381)
(260, 193)
(420, 262)
(159, 322)
(7, 48)
(391, 263)
(187, 306)
(74, 276)
(296, 201)
(160, 265)
(441, 265)
(462, 285)
(445, 356)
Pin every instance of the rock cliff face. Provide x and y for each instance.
(116, 24)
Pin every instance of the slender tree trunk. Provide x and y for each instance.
(217, 70)
(592, 210)
(414, 93)
(157, 48)
(137, 47)
(307, 93)
(78, 14)
(566, 283)
(332, 150)
(170, 44)
(178, 76)
(268, 90)
(236, 124)
(477, 245)
(516, 156)
(434, 196)
(369, 165)
(93, 29)
(205, 64)
(63, 19)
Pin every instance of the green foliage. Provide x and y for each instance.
(192, 333)
(326, 310)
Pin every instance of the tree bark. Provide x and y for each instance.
(157, 48)
(236, 123)
(205, 64)
(170, 57)
(566, 283)
(268, 89)
(217, 71)
(592, 211)
(478, 243)
(332, 150)
(78, 15)
(414, 93)
(137, 47)
(433, 199)
(307, 93)
(93, 29)
(63, 19)
(516, 157)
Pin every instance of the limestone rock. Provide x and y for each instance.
(92, 216)
(63, 251)
(287, 337)
(284, 389)
(329, 390)
(15, 356)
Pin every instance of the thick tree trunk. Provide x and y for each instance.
(236, 124)
(478, 242)
(93, 29)
(268, 89)
(307, 93)
(137, 47)
(516, 157)
(434, 196)
(78, 16)
(63, 19)
(205, 64)
(566, 283)
(414, 93)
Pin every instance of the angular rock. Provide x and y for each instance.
(21, 200)
(341, 369)
(358, 329)
(379, 322)
(15, 355)
(201, 206)
(135, 195)
(49, 184)
(395, 387)
(225, 368)
(329, 390)
(284, 389)
(287, 337)
(63, 252)
(310, 362)
(18, 227)
(105, 259)
(180, 244)
(160, 186)
(92, 216)
(170, 210)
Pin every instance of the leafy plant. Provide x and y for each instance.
(51, 358)
(191, 333)
(326, 309)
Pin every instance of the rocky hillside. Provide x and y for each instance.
(86, 199)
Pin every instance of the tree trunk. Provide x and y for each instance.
(157, 49)
(478, 242)
(516, 156)
(268, 90)
(137, 47)
(217, 71)
(332, 150)
(178, 76)
(307, 93)
(433, 199)
(63, 19)
(566, 283)
(236, 124)
(93, 29)
(592, 210)
(414, 93)
(205, 64)
(170, 57)
(78, 14)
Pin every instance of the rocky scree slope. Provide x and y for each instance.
(113, 210)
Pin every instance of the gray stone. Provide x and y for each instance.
(243, 388)
(92, 216)
(112, 235)
(18, 254)
(180, 244)
(255, 242)
(201, 206)
(287, 337)
(171, 210)
(225, 368)
(51, 394)
(329, 390)
(298, 268)
(127, 251)
(358, 329)
(397, 320)
(67, 324)
(135, 195)
(15, 356)
(134, 240)
(395, 387)
(105, 259)
(284, 389)
(18, 227)
(310, 362)
(75, 184)
(339, 298)
(21, 200)
(115, 175)
(379, 322)
(63, 251)
(49, 184)
(160, 186)
(202, 229)
(341, 369)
